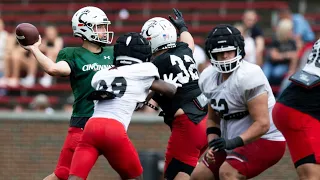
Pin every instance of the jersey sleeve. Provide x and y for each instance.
(63, 56)
(148, 72)
(253, 84)
(151, 73)
(162, 64)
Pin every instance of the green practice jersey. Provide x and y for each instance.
(84, 64)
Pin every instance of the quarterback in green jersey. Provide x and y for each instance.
(80, 64)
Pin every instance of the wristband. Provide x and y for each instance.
(213, 130)
(183, 29)
(234, 143)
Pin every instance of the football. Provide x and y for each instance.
(27, 34)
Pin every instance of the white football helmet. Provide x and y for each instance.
(86, 21)
(160, 33)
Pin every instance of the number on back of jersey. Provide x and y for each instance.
(187, 68)
(117, 86)
(105, 89)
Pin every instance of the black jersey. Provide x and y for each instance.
(302, 99)
(179, 60)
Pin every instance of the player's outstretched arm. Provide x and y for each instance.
(164, 88)
(258, 109)
(61, 68)
(187, 38)
(180, 24)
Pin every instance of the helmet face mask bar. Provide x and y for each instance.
(224, 38)
(106, 37)
(225, 66)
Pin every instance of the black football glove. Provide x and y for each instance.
(229, 144)
(178, 22)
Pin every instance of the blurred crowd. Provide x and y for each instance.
(288, 50)
(17, 65)
(291, 41)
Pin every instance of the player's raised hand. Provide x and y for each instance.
(172, 80)
(178, 22)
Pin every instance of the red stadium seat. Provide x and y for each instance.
(312, 16)
(201, 19)
(147, 5)
(132, 18)
(77, 41)
(38, 87)
(25, 99)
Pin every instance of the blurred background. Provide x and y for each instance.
(35, 107)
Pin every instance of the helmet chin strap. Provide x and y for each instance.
(126, 60)
(119, 58)
(164, 47)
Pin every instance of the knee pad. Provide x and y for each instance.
(176, 166)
